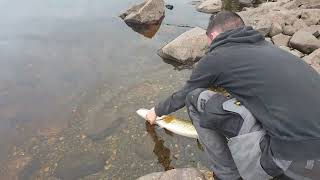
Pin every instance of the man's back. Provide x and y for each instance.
(278, 88)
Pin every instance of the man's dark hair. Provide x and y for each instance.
(224, 21)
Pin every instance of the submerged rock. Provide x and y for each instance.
(210, 6)
(183, 173)
(148, 12)
(78, 165)
(314, 60)
(189, 47)
(304, 41)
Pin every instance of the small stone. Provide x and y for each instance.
(316, 34)
(46, 169)
(168, 6)
(61, 138)
(107, 166)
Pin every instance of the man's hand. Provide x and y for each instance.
(151, 116)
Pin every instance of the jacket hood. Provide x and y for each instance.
(244, 34)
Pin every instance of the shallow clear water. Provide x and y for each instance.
(72, 74)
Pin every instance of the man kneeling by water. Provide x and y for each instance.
(270, 126)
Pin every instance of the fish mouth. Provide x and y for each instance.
(142, 113)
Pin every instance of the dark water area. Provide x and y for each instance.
(72, 75)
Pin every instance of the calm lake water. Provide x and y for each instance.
(72, 75)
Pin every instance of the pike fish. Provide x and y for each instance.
(171, 123)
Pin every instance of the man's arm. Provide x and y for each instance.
(177, 100)
(202, 77)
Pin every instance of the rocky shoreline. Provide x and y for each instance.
(292, 25)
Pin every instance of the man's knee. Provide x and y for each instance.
(192, 97)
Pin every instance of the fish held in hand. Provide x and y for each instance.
(171, 123)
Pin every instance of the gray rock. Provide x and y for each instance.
(314, 29)
(188, 47)
(299, 24)
(210, 6)
(311, 16)
(264, 27)
(304, 42)
(152, 176)
(281, 40)
(313, 59)
(78, 165)
(184, 173)
(276, 28)
(148, 12)
(296, 26)
(288, 30)
(175, 174)
(297, 53)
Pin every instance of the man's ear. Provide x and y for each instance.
(213, 35)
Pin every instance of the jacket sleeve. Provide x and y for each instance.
(203, 76)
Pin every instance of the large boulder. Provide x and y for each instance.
(314, 60)
(148, 12)
(304, 41)
(210, 6)
(189, 47)
(289, 30)
(281, 40)
(310, 16)
(175, 174)
(314, 29)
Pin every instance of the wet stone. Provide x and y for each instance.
(78, 165)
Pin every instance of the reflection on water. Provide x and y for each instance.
(147, 30)
(161, 151)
